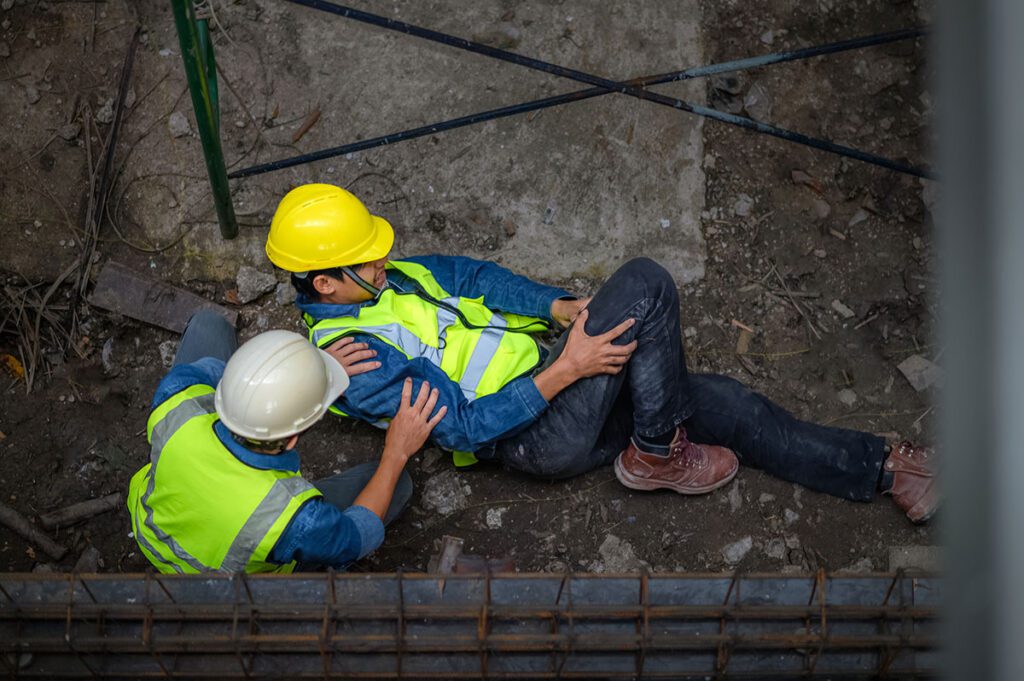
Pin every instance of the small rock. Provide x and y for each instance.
(846, 312)
(768, 37)
(494, 517)
(167, 351)
(178, 125)
(444, 493)
(129, 98)
(735, 498)
(665, 223)
(105, 115)
(792, 541)
(69, 131)
(252, 283)
(790, 516)
(735, 552)
(690, 332)
(922, 373)
(918, 243)
(6, 5)
(929, 194)
(89, 561)
(820, 253)
(744, 204)
(31, 94)
(758, 103)
(776, 548)
(822, 208)
(618, 555)
(284, 294)
(239, 124)
(107, 357)
(847, 397)
(765, 498)
(430, 459)
(860, 216)
(5, 49)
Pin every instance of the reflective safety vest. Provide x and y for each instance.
(197, 508)
(478, 348)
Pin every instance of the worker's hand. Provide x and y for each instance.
(585, 356)
(352, 356)
(565, 311)
(412, 424)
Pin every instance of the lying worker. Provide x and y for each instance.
(615, 388)
(229, 496)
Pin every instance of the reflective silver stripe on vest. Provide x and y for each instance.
(261, 521)
(483, 353)
(396, 334)
(162, 433)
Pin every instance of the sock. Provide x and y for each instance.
(885, 478)
(656, 444)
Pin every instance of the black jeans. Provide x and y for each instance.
(589, 423)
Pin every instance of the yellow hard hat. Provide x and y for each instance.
(320, 226)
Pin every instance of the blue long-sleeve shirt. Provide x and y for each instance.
(471, 426)
(319, 533)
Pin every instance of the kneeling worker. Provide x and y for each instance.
(229, 496)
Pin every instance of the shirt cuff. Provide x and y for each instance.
(369, 526)
(549, 296)
(530, 396)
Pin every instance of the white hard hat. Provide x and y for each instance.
(276, 385)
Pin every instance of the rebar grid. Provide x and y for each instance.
(468, 626)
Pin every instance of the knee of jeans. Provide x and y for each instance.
(207, 318)
(652, 275)
(548, 464)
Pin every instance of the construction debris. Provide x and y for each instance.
(80, 511)
(922, 373)
(121, 290)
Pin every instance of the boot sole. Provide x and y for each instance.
(631, 481)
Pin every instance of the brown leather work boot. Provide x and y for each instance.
(688, 469)
(913, 483)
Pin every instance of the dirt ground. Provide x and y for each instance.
(829, 262)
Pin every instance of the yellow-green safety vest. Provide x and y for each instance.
(480, 360)
(195, 507)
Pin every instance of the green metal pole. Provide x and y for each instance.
(201, 72)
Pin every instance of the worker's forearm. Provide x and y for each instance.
(554, 380)
(376, 496)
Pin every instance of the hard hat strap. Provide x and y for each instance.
(363, 284)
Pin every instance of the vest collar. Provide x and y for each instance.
(318, 310)
(285, 461)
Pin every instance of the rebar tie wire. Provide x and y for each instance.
(602, 86)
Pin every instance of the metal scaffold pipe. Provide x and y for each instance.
(580, 95)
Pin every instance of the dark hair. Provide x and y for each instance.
(267, 446)
(304, 285)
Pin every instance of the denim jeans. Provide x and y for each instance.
(589, 423)
(207, 334)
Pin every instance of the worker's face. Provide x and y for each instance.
(345, 290)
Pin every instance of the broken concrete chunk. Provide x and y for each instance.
(252, 283)
(105, 115)
(922, 373)
(618, 555)
(744, 204)
(494, 517)
(284, 294)
(89, 561)
(765, 498)
(860, 216)
(822, 208)
(758, 102)
(847, 397)
(736, 551)
(168, 349)
(178, 125)
(846, 312)
(776, 548)
(69, 131)
(444, 493)
(790, 516)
